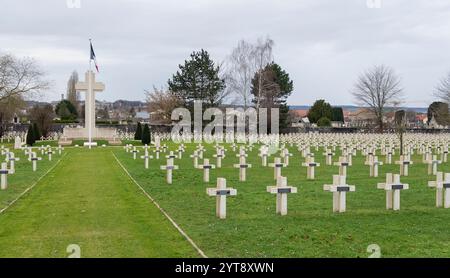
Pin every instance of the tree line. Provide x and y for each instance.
(249, 78)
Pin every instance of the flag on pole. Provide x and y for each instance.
(93, 57)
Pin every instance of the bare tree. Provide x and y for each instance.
(20, 78)
(43, 117)
(8, 107)
(378, 88)
(245, 61)
(240, 71)
(400, 121)
(443, 89)
(263, 56)
(161, 103)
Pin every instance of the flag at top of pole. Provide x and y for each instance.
(93, 56)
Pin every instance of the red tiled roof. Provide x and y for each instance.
(300, 113)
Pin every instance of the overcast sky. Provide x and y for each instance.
(323, 44)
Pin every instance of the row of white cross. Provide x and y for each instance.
(10, 158)
(344, 161)
(339, 188)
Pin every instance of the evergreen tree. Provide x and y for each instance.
(30, 136)
(276, 88)
(337, 114)
(320, 109)
(146, 137)
(198, 79)
(36, 132)
(66, 110)
(138, 134)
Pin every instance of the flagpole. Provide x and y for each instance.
(89, 95)
(90, 58)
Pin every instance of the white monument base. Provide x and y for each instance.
(81, 133)
(90, 144)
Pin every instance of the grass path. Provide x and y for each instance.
(90, 201)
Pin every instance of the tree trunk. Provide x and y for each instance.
(380, 125)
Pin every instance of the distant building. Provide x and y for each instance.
(142, 115)
(362, 117)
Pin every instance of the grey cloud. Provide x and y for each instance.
(323, 44)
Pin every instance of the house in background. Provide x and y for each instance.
(362, 117)
(299, 118)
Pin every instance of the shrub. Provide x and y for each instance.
(36, 133)
(138, 134)
(30, 136)
(146, 137)
(324, 122)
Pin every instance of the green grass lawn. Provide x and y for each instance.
(24, 177)
(252, 229)
(86, 200)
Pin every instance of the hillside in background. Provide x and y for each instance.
(354, 108)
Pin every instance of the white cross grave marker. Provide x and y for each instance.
(311, 165)
(12, 160)
(157, 151)
(134, 151)
(34, 159)
(339, 188)
(442, 185)
(432, 165)
(276, 165)
(221, 192)
(146, 158)
(285, 153)
(392, 186)
(206, 168)
(264, 153)
(60, 149)
(195, 156)
(220, 154)
(4, 176)
(242, 168)
(343, 164)
(328, 156)
(282, 190)
(49, 153)
(373, 164)
(169, 168)
(404, 163)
